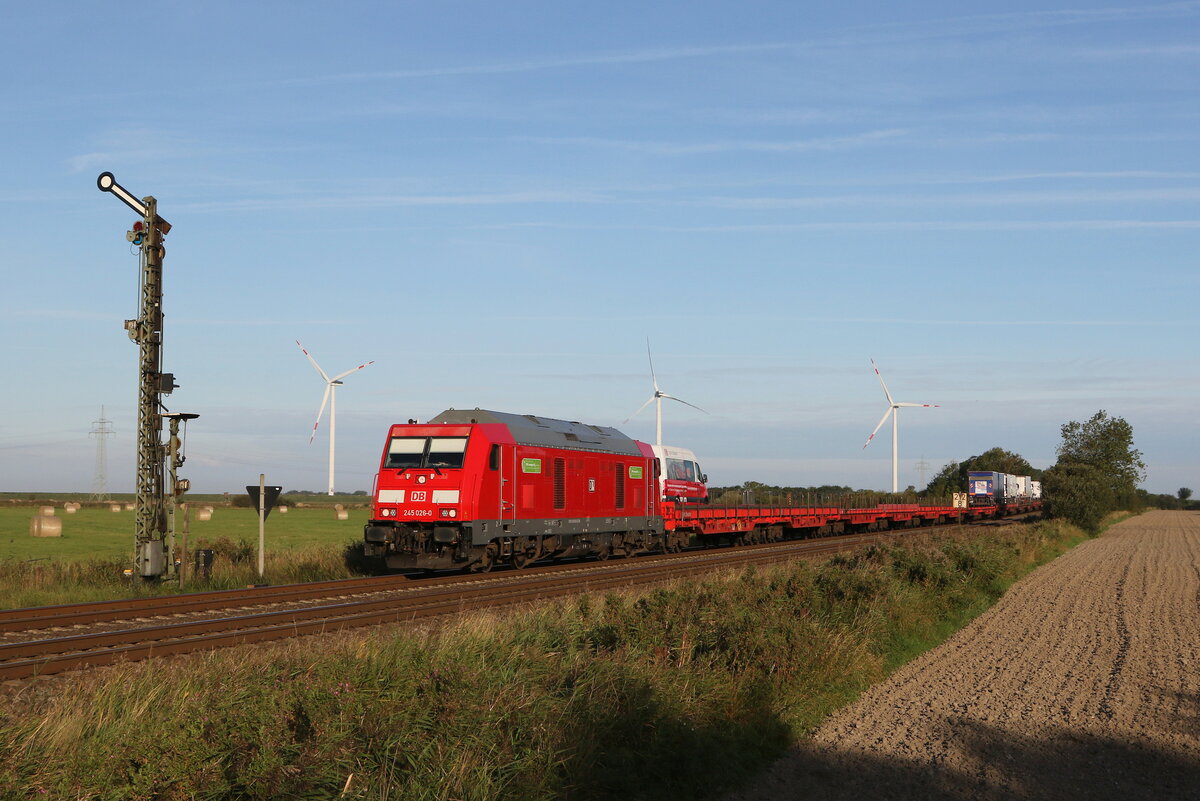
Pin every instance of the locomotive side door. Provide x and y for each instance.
(507, 464)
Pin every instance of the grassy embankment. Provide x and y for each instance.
(675, 692)
(306, 544)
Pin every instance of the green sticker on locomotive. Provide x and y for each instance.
(531, 465)
(635, 472)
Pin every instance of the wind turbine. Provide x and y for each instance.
(331, 385)
(657, 399)
(892, 409)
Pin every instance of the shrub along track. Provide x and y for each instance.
(135, 629)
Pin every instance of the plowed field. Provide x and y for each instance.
(1083, 682)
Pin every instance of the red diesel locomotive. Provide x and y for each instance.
(476, 488)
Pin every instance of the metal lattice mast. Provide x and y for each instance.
(150, 526)
(922, 466)
(101, 431)
(146, 331)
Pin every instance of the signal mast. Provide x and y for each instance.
(151, 556)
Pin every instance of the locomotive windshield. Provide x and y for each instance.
(441, 452)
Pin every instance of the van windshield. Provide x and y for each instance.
(440, 452)
(680, 470)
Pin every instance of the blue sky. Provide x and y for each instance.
(499, 203)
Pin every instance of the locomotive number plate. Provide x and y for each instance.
(417, 513)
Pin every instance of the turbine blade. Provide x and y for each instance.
(314, 361)
(324, 400)
(920, 405)
(653, 378)
(879, 375)
(353, 370)
(882, 420)
(681, 400)
(643, 406)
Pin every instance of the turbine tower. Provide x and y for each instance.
(331, 385)
(101, 431)
(893, 407)
(657, 399)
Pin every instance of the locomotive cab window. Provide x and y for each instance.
(405, 452)
(417, 452)
(446, 451)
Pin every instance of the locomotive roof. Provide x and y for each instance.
(546, 432)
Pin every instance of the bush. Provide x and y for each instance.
(242, 551)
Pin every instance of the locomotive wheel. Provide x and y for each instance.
(526, 550)
(485, 564)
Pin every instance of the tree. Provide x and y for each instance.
(1097, 471)
(1184, 493)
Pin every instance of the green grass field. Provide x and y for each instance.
(97, 533)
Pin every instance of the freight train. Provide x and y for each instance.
(476, 488)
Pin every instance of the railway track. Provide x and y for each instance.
(223, 619)
(136, 629)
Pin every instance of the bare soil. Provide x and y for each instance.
(1083, 682)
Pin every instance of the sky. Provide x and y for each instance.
(500, 203)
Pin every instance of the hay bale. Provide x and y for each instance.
(71, 508)
(338, 506)
(342, 514)
(114, 507)
(42, 526)
(204, 514)
(129, 507)
(46, 511)
(283, 510)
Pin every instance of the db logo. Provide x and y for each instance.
(419, 495)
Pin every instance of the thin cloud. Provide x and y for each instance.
(906, 225)
(317, 200)
(1142, 51)
(699, 148)
(998, 199)
(948, 225)
(534, 65)
(864, 35)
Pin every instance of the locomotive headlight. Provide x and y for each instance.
(454, 513)
(420, 479)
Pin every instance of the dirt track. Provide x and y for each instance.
(1083, 682)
